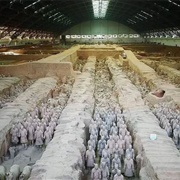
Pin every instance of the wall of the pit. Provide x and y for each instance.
(165, 41)
(101, 27)
(17, 42)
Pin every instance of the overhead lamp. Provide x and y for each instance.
(131, 21)
(138, 18)
(141, 16)
(174, 3)
(32, 4)
(100, 8)
(146, 13)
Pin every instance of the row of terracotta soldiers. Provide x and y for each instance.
(112, 140)
(15, 90)
(39, 125)
(169, 119)
(35, 130)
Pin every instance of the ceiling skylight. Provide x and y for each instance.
(32, 4)
(146, 13)
(174, 3)
(131, 21)
(100, 8)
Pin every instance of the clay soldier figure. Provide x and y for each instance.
(106, 151)
(37, 112)
(115, 137)
(128, 140)
(174, 122)
(176, 134)
(114, 129)
(111, 144)
(130, 151)
(128, 166)
(101, 145)
(91, 126)
(38, 137)
(35, 124)
(31, 134)
(116, 161)
(118, 176)
(109, 123)
(47, 136)
(117, 150)
(94, 135)
(42, 109)
(120, 122)
(29, 118)
(98, 120)
(168, 129)
(114, 171)
(33, 113)
(23, 136)
(41, 126)
(122, 131)
(19, 127)
(53, 122)
(90, 157)
(163, 121)
(104, 132)
(105, 159)
(104, 171)
(121, 144)
(91, 142)
(25, 123)
(96, 173)
(14, 135)
(51, 129)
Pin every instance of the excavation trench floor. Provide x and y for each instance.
(88, 177)
(105, 99)
(28, 156)
(24, 157)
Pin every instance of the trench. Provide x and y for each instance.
(79, 64)
(171, 78)
(106, 104)
(167, 113)
(14, 91)
(45, 115)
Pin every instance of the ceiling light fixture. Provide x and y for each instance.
(100, 8)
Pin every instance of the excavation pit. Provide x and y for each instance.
(99, 83)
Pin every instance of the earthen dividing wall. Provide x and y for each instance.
(153, 48)
(146, 72)
(172, 73)
(149, 75)
(38, 70)
(6, 83)
(64, 155)
(27, 57)
(99, 53)
(160, 159)
(59, 65)
(25, 102)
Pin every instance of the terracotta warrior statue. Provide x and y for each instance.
(96, 173)
(23, 136)
(128, 166)
(118, 176)
(90, 157)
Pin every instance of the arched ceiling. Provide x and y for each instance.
(57, 16)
